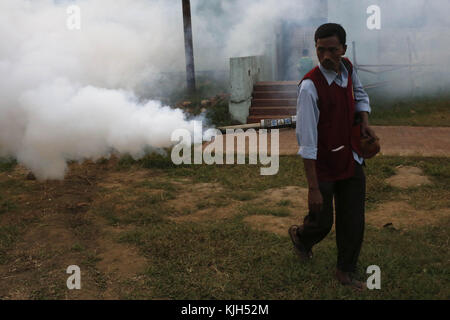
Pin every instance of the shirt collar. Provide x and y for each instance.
(331, 76)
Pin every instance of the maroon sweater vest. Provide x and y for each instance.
(337, 134)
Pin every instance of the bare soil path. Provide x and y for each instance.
(395, 141)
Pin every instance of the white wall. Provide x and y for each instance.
(244, 73)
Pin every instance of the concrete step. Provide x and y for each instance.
(288, 111)
(276, 86)
(274, 102)
(274, 95)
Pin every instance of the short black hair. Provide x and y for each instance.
(331, 29)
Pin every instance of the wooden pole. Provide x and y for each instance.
(188, 47)
(411, 77)
(355, 63)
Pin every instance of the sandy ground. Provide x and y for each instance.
(395, 141)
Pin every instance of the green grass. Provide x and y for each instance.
(8, 236)
(108, 212)
(264, 210)
(244, 182)
(285, 203)
(157, 184)
(6, 205)
(427, 111)
(229, 259)
(432, 196)
(243, 195)
(77, 247)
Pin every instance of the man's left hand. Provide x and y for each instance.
(367, 131)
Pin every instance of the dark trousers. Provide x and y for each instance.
(349, 201)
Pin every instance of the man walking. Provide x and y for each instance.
(330, 98)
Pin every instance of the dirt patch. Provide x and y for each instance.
(395, 141)
(62, 223)
(277, 225)
(199, 188)
(194, 197)
(120, 179)
(60, 230)
(38, 262)
(51, 216)
(297, 197)
(47, 237)
(408, 177)
(118, 263)
(401, 215)
(20, 170)
(199, 202)
(203, 202)
(297, 206)
(210, 214)
(119, 259)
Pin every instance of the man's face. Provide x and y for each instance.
(330, 52)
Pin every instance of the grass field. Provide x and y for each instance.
(426, 111)
(149, 230)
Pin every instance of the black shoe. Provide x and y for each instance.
(300, 249)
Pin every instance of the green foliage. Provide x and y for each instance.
(219, 115)
(7, 164)
(150, 161)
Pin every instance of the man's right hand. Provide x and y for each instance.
(315, 200)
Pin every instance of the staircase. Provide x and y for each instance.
(273, 100)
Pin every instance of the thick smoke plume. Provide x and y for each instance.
(79, 94)
(71, 94)
(68, 94)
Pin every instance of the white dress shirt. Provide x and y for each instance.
(308, 112)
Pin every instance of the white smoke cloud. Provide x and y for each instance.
(68, 95)
(88, 123)
(72, 95)
(236, 28)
